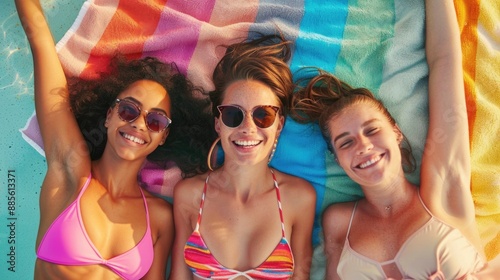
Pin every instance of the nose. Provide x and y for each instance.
(140, 122)
(248, 124)
(364, 145)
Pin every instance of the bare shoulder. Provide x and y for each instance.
(338, 212)
(298, 197)
(158, 204)
(335, 220)
(188, 188)
(159, 208)
(187, 197)
(295, 188)
(291, 182)
(161, 217)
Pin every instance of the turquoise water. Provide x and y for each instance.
(21, 167)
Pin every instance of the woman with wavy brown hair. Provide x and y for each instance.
(244, 219)
(400, 230)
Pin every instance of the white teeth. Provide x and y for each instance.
(370, 162)
(246, 143)
(134, 139)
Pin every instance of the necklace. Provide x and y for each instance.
(387, 208)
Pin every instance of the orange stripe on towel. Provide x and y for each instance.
(132, 24)
(481, 60)
(468, 14)
(485, 153)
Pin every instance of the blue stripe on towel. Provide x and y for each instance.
(322, 28)
(301, 150)
(366, 41)
(320, 35)
(285, 15)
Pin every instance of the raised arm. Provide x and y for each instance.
(63, 142)
(445, 179)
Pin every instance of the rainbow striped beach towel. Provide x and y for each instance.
(378, 44)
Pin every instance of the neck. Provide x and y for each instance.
(392, 198)
(244, 181)
(118, 176)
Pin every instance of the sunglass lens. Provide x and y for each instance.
(264, 116)
(157, 122)
(127, 111)
(232, 116)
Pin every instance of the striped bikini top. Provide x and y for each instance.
(201, 262)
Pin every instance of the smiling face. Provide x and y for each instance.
(248, 144)
(366, 144)
(133, 140)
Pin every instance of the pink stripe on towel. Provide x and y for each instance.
(178, 30)
(229, 22)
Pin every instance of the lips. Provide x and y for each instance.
(133, 138)
(245, 143)
(370, 162)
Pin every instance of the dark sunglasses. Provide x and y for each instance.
(263, 116)
(129, 111)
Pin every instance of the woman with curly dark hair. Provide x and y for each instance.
(96, 222)
(190, 133)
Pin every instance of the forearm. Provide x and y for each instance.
(51, 95)
(448, 127)
(444, 57)
(445, 168)
(48, 71)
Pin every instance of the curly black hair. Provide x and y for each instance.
(192, 129)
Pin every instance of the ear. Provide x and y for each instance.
(164, 138)
(399, 134)
(337, 160)
(332, 151)
(281, 124)
(217, 126)
(108, 116)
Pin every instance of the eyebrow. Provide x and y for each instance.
(347, 133)
(140, 105)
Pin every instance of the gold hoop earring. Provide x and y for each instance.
(210, 152)
(273, 151)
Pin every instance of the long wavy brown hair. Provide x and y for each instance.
(321, 96)
(263, 59)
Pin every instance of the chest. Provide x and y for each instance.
(242, 236)
(112, 226)
(431, 250)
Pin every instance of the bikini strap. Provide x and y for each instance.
(423, 204)
(87, 183)
(350, 221)
(202, 202)
(146, 207)
(279, 204)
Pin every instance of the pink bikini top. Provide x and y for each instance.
(66, 242)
